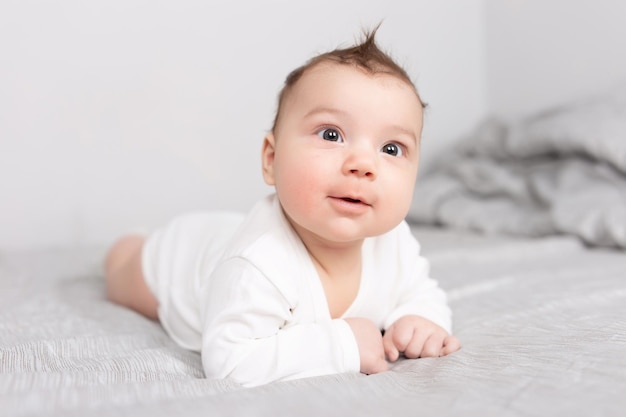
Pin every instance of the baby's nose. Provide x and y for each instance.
(360, 162)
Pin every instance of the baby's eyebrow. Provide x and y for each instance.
(404, 131)
(328, 110)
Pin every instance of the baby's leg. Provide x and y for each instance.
(125, 283)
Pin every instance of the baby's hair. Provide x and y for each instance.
(366, 56)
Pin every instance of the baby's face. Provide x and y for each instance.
(344, 156)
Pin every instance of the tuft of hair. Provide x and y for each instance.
(366, 56)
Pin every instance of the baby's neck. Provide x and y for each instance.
(334, 259)
(336, 262)
(339, 272)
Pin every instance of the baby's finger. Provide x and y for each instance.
(450, 344)
(401, 336)
(414, 347)
(391, 351)
(432, 346)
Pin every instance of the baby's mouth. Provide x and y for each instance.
(352, 200)
(350, 204)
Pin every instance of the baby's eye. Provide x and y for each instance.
(392, 149)
(330, 134)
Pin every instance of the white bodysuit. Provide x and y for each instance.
(246, 294)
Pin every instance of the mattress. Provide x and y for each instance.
(542, 321)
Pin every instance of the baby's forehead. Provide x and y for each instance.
(322, 84)
(323, 72)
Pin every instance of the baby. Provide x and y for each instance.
(322, 277)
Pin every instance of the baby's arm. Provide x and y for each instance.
(252, 335)
(420, 323)
(419, 295)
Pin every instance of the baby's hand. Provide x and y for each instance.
(417, 337)
(370, 343)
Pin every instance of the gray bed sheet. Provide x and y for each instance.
(542, 322)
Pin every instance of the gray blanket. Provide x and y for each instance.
(562, 171)
(542, 322)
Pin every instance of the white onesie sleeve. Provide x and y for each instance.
(253, 335)
(416, 293)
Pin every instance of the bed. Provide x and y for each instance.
(524, 227)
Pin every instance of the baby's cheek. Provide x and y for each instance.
(296, 197)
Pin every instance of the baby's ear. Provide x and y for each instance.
(267, 158)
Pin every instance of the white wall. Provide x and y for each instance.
(543, 53)
(117, 114)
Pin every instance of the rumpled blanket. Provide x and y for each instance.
(559, 172)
